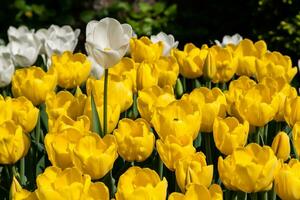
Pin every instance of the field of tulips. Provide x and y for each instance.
(137, 118)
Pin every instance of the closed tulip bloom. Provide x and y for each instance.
(175, 119)
(144, 49)
(249, 169)
(147, 75)
(274, 64)
(64, 123)
(210, 101)
(191, 60)
(168, 70)
(246, 54)
(219, 64)
(94, 155)
(24, 113)
(33, 83)
(281, 146)
(296, 137)
(259, 105)
(107, 41)
(229, 134)
(154, 97)
(141, 183)
(6, 109)
(287, 181)
(199, 192)
(291, 110)
(14, 144)
(119, 91)
(135, 139)
(173, 149)
(193, 169)
(69, 183)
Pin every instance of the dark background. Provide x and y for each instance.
(197, 21)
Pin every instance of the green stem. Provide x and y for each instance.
(111, 185)
(265, 195)
(105, 102)
(266, 133)
(241, 195)
(208, 148)
(161, 168)
(208, 84)
(272, 193)
(253, 196)
(184, 84)
(38, 130)
(224, 86)
(22, 171)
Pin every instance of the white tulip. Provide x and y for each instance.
(235, 39)
(107, 41)
(6, 67)
(24, 46)
(97, 70)
(167, 40)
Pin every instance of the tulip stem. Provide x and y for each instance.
(105, 102)
(272, 193)
(253, 196)
(208, 148)
(266, 133)
(22, 171)
(160, 168)
(241, 195)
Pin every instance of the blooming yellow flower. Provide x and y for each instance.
(296, 137)
(281, 146)
(168, 70)
(6, 109)
(291, 110)
(193, 169)
(212, 102)
(246, 54)
(71, 69)
(287, 181)
(150, 99)
(229, 134)
(135, 139)
(173, 149)
(249, 169)
(274, 64)
(144, 50)
(199, 192)
(219, 64)
(141, 183)
(175, 119)
(14, 144)
(33, 83)
(70, 183)
(147, 75)
(24, 113)
(18, 193)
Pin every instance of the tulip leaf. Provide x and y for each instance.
(96, 126)
(44, 116)
(40, 165)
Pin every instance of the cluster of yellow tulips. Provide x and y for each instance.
(197, 124)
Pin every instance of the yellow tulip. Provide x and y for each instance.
(135, 139)
(70, 183)
(18, 193)
(296, 137)
(94, 155)
(64, 103)
(153, 98)
(199, 192)
(287, 181)
(281, 146)
(191, 60)
(144, 50)
(229, 134)
(237, 89)
(175, 119)
(113, 114)
(193, 169)
(259, 105)
(33, 83)
(119, 91)
(141, 183)
(291, 110)
(147, 75)
(275, 65)
(71, 69)
(249, 169)
(219, 64)
(24, 113)
(6, 109)
(125, 68)
(209, 101)
(14, 144)
(64, 123)
(246, 54)
(168, 70)
(173, 149)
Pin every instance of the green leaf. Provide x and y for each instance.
(96, 126)
(158, 8)
(145, 7)
(87, 15)
(171, 10)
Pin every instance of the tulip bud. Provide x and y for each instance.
(281, 146)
